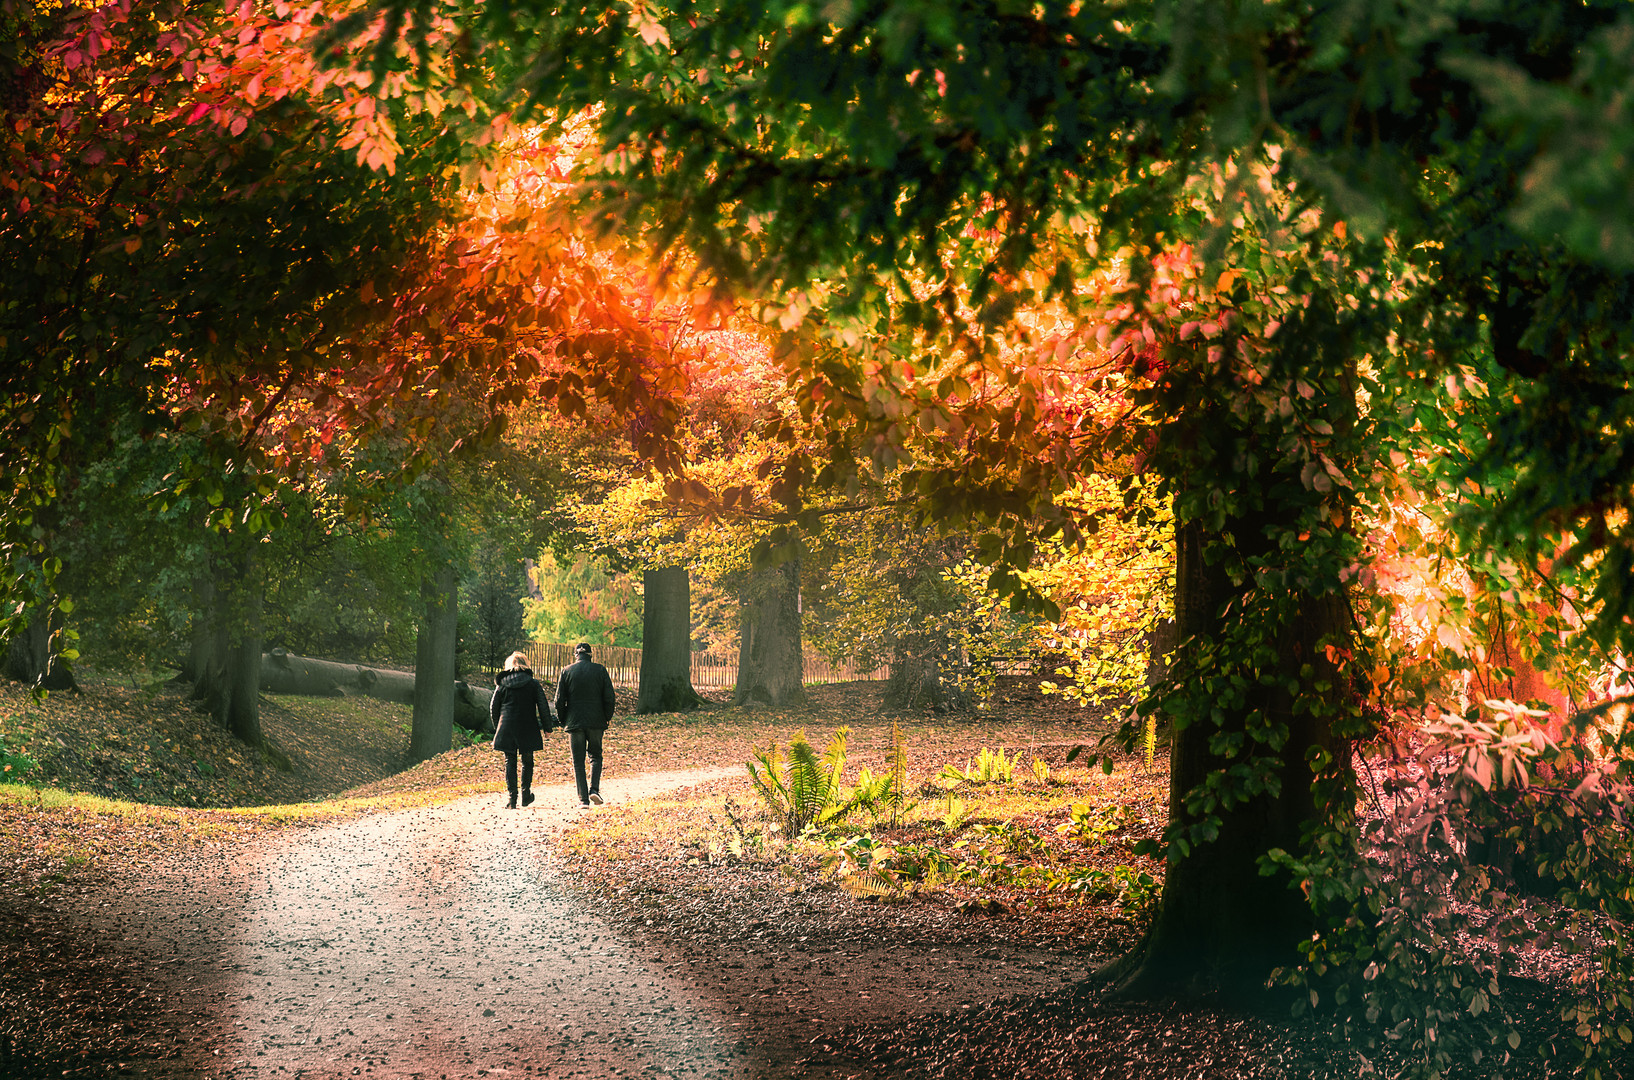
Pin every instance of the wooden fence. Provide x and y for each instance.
(549, 658)
(710, 670)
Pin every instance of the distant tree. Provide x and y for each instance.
(491, 608)
(885, 589)
(582, 598)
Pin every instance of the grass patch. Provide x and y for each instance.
(51, 837)
(151, 745)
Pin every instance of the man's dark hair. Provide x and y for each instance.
(581, 649)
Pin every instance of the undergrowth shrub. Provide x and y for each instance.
(989, 767)
(813, 811)
(1419, 941)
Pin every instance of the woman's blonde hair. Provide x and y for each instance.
(516, 661)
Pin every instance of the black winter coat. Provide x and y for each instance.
(518, 709)
(584, 697)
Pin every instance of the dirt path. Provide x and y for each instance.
(440, 942)
(432, 942)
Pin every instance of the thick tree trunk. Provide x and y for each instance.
(770, 666)
(224, 660)
(283, 672)
(1220, 923)
(242, 699)
(666, 643)
(916, 683)
(29, 656)
(432, 732)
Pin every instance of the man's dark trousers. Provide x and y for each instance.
(587, 742)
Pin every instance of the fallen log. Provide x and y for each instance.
(284, 672)
(471, 707)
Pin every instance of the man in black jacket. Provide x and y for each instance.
(584, 705)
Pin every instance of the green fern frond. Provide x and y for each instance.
(769, 780)
(799, 787)
(899, 769)
(834, 760)
(831, 812)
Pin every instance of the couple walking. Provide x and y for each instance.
(519, 709)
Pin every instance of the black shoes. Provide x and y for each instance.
(527, 798)
(512, 804)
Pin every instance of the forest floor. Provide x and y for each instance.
(969, 957)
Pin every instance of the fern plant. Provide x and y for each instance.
(799, 788)
(884, 796)
(990, 767)
(956, 815)
(899, 774)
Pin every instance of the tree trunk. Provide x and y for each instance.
(243, 668)
(201, 646)
(769, 659)
(225, 657)
(666, 643)
(916, 683)
(283, 672)
(432, 732)
(1220, 923)
(29, 656)
(1159, 645)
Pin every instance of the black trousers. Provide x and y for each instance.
(587, 742)
(510, 770)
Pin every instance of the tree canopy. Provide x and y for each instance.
(1293, 261)
(1340, 294)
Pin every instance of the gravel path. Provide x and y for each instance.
(441, 942)
(432, 942)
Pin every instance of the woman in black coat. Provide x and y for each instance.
(518, 710)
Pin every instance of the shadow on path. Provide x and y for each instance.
(432, 942)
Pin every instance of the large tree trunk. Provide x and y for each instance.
(242, 714)
(224, 660)
(916, 682)
(666, 643)
(770, 665)
(434, 692)
(30, 657)
(1220, 923)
